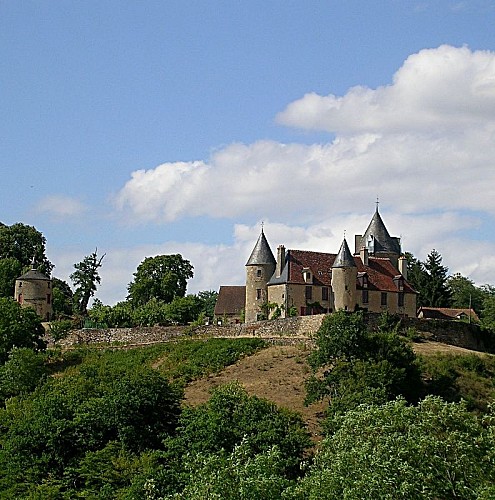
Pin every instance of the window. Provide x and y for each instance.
(259, 273)
(309, 293)
(400, 299)
(383, 300)
(324, 293)
(365, 298)
(258, 293)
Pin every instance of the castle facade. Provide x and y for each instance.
(301, 282)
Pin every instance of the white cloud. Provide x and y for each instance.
(435, 90)
(60, 206)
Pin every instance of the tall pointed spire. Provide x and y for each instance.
(377, 239)
(262, 253)
(344, 257)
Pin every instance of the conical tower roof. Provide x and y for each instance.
(262, 253)
(344, 257)
(377, 231)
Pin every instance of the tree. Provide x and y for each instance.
(86, 279)
(437, 293)
(209, 300)
(10, 270)
(25, 244)
(232, 417)
(163, 277)
(19, 327)
(429, 278)
(465, 293)
(396, 451)
(22, 372)
(353, 365)
(62, 301)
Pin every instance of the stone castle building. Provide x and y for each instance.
(301, 282)
(34, 289)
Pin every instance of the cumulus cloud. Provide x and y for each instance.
(415, 142)
(60, 206)
(435, 90)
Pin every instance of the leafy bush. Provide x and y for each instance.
(433, 450)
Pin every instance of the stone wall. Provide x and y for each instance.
(128, 336)
(301, 327)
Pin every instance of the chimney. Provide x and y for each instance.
(403, 266)
(280, 260)
(363, 253)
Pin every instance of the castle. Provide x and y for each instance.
(300, 282)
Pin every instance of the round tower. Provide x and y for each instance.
(259, 269)
(344, 276)
(34, 289)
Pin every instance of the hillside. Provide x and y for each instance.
(278, 373)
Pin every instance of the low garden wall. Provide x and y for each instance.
(302, 327)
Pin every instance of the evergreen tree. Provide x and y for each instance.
(436, 291)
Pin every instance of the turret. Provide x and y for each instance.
(33, 289)
(344, 276)
(378, 241)
(259, 269)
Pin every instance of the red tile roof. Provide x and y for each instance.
(446, 313)
(380, 271)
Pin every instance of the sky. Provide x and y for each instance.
(173, 126)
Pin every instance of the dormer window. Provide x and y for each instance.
(307, 276)
(399, 282)
(363, 280)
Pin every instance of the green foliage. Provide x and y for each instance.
(10, 270)
(162, 277)
(465, 293)
(62, 301)
(26, 245)
(19, 327)
(183, 310)
(488, 312)
(455, 378)
(359, 365)
(49, 433)
(240, 474)
(60, 329)
(433, 450)
(429, 278)
(232, 417)
(23, 371)
(85, 279)
(208, 300)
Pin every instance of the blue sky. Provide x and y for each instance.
(157, 127)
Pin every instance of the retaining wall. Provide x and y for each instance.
(449, 332)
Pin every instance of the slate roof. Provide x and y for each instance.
(380, 271)
(262, 253)
(447, 313)
(383, 242)
(33, 274)
(344, 257)
(230, 300)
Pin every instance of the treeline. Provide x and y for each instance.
(156, 294)
(436, 288)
